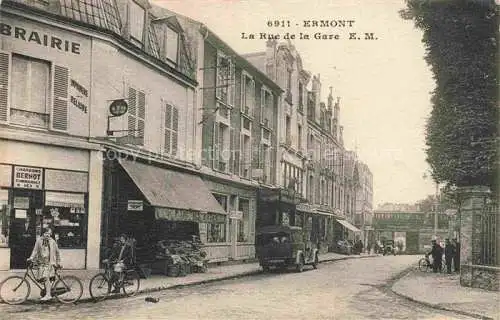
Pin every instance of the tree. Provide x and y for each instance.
(461, 41)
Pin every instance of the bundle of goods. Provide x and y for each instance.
(181, 257)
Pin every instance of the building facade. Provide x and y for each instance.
(364, 204)
(283, 64)
(72, 162)
(238, 107)
(413, 228)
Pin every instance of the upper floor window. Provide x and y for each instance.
(221, 143)
(30, 92)
(171, 129)
(136, 19)
(247, 94)
(172, 45)
(266, 103)
(289, 81)
(38, 92)
(301, 96)
(299, 137)
(136, 115)
(225, 79)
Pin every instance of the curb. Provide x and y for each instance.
(197, 283)
(201, 282)
(431, 305)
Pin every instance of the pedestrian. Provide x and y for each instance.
(437, 256)
(121, 253)
(449, 253)
(456, 257)
(46, 255)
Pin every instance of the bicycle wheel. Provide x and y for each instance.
(68, 289)
(423, 265)
(131, 283)
(99, 287)
(14, 290)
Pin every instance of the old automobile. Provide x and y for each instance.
(285, 246)
(389, 247)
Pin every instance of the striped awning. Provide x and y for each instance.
(62, 199)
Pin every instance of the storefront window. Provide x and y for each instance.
(244, 223)
(4, 219)
(216, 232)
(67, 214)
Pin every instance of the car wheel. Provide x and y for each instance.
(316, 262)
(300, 265)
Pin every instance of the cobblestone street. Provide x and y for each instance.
(348, 289)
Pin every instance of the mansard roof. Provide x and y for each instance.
(104, 16)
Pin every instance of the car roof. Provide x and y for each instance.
(277, 228)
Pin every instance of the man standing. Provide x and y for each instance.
(46, 255)
(449, 253)
(456, 257)
(437, 256)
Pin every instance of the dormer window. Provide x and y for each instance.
(137, 18)
(172, 45)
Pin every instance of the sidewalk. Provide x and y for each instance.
(161, 282)
(443, 291)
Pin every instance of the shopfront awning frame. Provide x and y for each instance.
(348, 225)
(175, 195)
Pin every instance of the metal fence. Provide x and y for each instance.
(490, 236)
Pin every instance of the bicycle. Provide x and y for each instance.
(425, 265)
(16, 289)
(114, 275)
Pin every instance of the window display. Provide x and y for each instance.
(66, 212)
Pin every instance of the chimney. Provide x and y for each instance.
(316, 89)
(330, 100)
(341, 135)
(336, 112)
(271, 59)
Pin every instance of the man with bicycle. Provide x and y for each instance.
(121, 253)
(46, 255)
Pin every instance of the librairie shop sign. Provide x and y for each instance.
(28, 177)
(40, 38)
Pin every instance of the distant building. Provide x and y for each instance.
(416, 227)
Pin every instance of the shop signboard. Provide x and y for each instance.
(238, 215)
(28, 177)
(135, 205)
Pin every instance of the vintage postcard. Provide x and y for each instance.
(225, 159)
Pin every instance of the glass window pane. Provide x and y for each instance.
(136, 21)
(20, 78)
(172, 44)
(39, 86)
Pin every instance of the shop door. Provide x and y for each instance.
(26, 221)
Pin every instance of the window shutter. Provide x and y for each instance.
(252, 99)
(231, 150)
(168, 116)
(215, 155)
(132, 112)
(141, 115)
(262, 103)
(231, 84)
(236, 153)
(218, 84)
(60, 106)
(175, 129)
(243, 92)
(242, 156)
(261, 164)
(4, 86)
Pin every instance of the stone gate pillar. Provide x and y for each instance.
(473, 200)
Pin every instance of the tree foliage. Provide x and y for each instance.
(461, 41)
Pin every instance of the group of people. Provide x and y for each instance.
(451, 255)
(47, 257)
